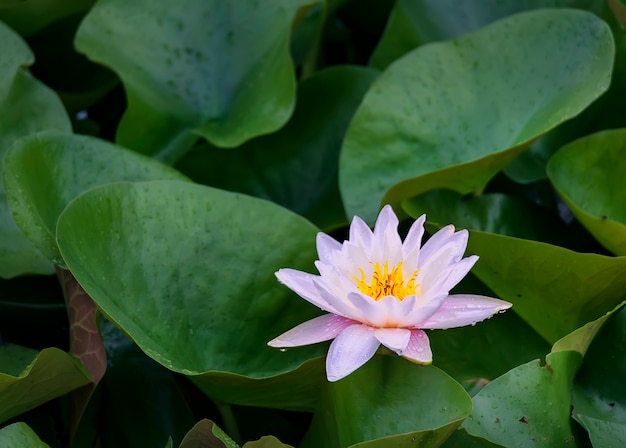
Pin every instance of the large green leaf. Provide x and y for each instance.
(26, 106)
(220, 70)
(554, 289)
(32, 16)
(599, 397)
(29, 378)
(137, 401)
(188, 272)
(417, 22)
(453, 114)
(528, 406)
(19, 435)
(296, 167)
(388, 402)
(43, 172)
(588, 174)
(206, 434)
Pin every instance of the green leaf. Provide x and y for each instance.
(599, 398)
(588, 175)
(453, 114)
(187, 271)
(30, 378)
(417, 22)
(22, 96)
(206, 434)
(29, 17)
(529, 405)
(19, 435)
(555, 290)
(138, 400)
(195, 68)
(488, 350)
(296, 167)
(266, 442)
(44, 172)
(579, 340)
(388, 402)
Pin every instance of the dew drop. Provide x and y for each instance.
(283, 350)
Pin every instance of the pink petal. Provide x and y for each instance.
(418, 349)
(327, 248)
(395, 339)
(436, 262)
(303, 284)
(319, 329)
(464, 309)
(350, 350)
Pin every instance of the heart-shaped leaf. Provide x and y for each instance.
(452, 114)
(530, 404)
(418, 22)
(220, 70)
(29, 378)
(555, 290)
(388, 402)
(599, 398)
(187, 272)
(22, 96)
(588, 175)
(44, 172)
(296, 167)
(20, 435)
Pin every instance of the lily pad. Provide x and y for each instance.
(30, 378)
(22, 96)
(453, 114)
(555, 290)
(296, 167)
(28, 18)
(599, 399)
(427, 406)
(417, 22)
(173, 68)
(530, 404)
(20, 435)
(179, 268)
(588, 175)
(45, 171)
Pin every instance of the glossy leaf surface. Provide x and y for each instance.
(405, 139)
(146, 253)
(174, 69)
(44, 172)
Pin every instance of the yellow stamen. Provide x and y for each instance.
(385, 283)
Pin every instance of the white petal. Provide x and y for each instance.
(434, 265)
(327, 248)
(320, 329)
(360, 233)
(343, 307)
(418, 348)
(303, 284)
(422, 311)
(372, 312)
(435, 242)
(350, 350)
(449, 277)
(386, 218)
(395, 339)
(464, 309)
(386, 234)
(412, 243)
(396, 310)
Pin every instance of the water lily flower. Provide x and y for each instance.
(378, 289)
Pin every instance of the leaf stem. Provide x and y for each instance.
(228, 420)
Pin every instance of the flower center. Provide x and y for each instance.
(384, 283)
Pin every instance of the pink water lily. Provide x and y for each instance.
(378, 289)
